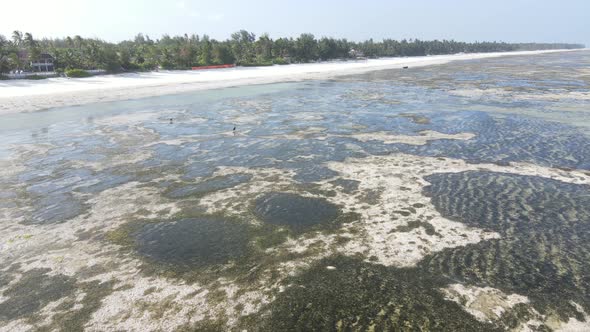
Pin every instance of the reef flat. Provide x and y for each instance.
(393, 200)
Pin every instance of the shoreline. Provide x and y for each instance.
(20, 96)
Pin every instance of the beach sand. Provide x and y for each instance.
(27, 95)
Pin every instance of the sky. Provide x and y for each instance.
(464, 20)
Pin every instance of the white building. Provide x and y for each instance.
(44, 63)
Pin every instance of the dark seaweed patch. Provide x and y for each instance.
(372, 196)
(509, 139)
(56, 208)
(313, 173)
(61, 181)
(297, 212)
(403, 213)
(190, 243)
(105, 181)
(428, 228)
(33, 291)
(544, 247)
(203, 247)
(210, 185)
(416, 118)
(346, 185)
(71, 319)
(358, 296)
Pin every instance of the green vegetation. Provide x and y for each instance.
(352, 295)
(73, 318)
(32, 292)
(197, 248)
(243, 48)
(77, 73)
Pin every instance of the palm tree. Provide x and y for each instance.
(34, 54)
(17, 37)
(92, 53)
(4, 64)
(15, 61)
(78, 41)
(29, 40)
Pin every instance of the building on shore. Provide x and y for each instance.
(43, 63)
(356, 54)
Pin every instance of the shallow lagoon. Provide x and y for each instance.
(450, 197)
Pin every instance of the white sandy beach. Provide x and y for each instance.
(29, 95)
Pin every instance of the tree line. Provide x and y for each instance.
(242, 48)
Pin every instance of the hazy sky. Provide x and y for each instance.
(466, 20)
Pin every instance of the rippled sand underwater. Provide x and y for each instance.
(453, 197)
